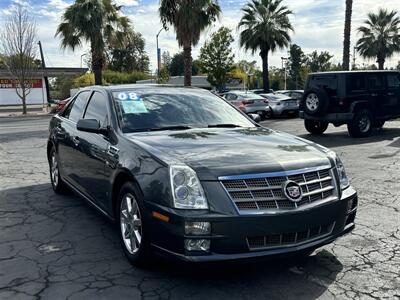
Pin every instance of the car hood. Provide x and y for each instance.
(224, 152)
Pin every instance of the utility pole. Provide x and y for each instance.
(46, 80)
(354, 58)
(284, 60)
(158, 56)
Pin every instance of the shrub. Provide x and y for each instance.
(110, 78)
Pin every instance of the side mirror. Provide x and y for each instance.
(90, 125)
(255, 117)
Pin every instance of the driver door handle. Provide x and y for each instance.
(374, 94)
(390, 94)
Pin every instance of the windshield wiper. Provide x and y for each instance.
(177, 127)
(224, 126)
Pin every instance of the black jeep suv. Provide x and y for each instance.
(360, 99)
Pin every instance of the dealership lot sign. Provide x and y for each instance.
(12, 84)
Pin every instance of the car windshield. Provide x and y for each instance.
(156, 109)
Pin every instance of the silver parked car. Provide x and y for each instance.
(249, 103)
(295, 94)
(282, 104)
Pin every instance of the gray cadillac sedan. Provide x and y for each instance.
(185, 174)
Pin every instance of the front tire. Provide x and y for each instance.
(362, 124)
(132, 226)
(315, 127)
(58, 185)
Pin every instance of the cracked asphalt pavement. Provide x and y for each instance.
(57, 247)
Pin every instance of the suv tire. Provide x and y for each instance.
(362, 124)
(315, 126)
(315, 102)
(134, 234)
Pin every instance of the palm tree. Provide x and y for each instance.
(97, 22)
(380, 36)
(189, 18)
(266, 27)
(347, 33)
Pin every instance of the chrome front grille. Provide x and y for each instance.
(289, 239)
(264, 192)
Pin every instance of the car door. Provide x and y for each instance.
(66, 135)
(377, 94)
(393, 91)
(93, 151)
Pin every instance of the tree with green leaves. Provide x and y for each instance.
(265, 27)
(380, 36)
(319, 62)
(128, 55)
(347, 33)
(216, 57)
(296, 59)
(177, 68)
(98, 22)
(189, 18)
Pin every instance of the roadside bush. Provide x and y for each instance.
(111, 77)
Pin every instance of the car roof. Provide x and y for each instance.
(154, 86)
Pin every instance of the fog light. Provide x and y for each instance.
(197, 228)
(349, 206)
(197, 245)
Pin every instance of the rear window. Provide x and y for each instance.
(326, 82)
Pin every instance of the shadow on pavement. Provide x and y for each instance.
(342, 138)
(40, 230)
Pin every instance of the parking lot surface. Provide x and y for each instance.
(57, 247)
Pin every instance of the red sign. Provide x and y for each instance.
(12, 84)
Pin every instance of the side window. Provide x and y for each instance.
(232, 97)
(67, 110)
(78, 106)
(97, 109)
(356, 82)
(393, 81)
(375, 81)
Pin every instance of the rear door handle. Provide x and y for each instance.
(374, 94)
(76, 140)
(390, 94)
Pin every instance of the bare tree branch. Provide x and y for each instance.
(18, 45)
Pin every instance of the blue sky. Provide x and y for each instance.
(318, 26)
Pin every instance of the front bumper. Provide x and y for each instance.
(230, 234)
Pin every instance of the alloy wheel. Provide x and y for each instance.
(364, 123)
(54, 169)
(131, 223)
(312, 102)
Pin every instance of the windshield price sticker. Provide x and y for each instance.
(128, 96)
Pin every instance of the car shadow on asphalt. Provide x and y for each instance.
(72, 235)
(342, 138)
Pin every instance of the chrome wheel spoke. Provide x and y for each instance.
(131, 223)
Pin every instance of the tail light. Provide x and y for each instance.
(266, 101)
(246, 102)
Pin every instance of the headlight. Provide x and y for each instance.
(186, 188)
(344, 181)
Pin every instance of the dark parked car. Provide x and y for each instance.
(61, 104)
(261, 91)
(249, 103)
(183, 173)
(361, 99)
